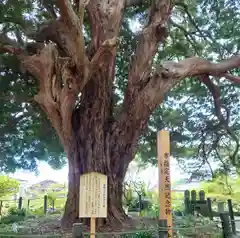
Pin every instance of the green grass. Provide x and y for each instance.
(36, 204)
(35, 218)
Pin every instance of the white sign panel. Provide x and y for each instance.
(93, 195)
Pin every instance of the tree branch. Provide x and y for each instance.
(141, 92)
(170, 73)
(68, 44)
(57, 95)
(75, 28)
(215, 91)
(5, 40)
(203, 68)
(152, 34)
(10, 49)
(232, 78)
(107, 47)
(196, 66)
(163, 79)
(8, 45)
(109, 13)
(140, 95)
(42, 67)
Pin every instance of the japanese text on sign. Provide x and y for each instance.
(93, 195)
(164, 178)
(167, 193)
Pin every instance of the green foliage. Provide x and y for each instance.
(8, 186)
(177, 201)
(14, 215)
(210, 29)
(128, 195)
(140, 234)
(143, 234)
(33, 222)
(149, 198)
(18, 212)
(153, 210)
(9, 219)
(188, 111)
(51, 198)
(222, 188)
(39, 212)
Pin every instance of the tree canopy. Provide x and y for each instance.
(203, 129)
(222, 188)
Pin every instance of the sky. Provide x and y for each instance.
(149, 175)
(45, 173)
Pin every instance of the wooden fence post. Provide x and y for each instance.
(201, 195)
(162, 228)
(193, 200)
(77, 230)
(20, 203)
(140, 203)
(45, 204)
(1, 205)
(221, 207)
(53, 202)
(187, 201)
(209, 204)
(231, 214)
(28, 203)
(227, 233)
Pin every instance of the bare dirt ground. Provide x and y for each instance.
(52, 226)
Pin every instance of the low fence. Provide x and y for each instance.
(19, 203)
(49, 204)
(160, 231)
(204, 207)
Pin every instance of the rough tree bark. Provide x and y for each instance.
(76, 89)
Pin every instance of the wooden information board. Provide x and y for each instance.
(93, 195)
(93, 198)
(163, 149)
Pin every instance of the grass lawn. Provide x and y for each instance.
(34, 204)
(37, 223)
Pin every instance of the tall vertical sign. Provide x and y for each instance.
(163, 150)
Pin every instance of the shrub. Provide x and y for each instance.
(17, 212)
(14, 215)
(38, 212)
(8, 186)
(11, 219)
(141, 234)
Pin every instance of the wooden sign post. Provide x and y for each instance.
(163, 150)
(93, 198)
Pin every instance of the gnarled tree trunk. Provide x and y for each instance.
(100, 144)
(115, 170)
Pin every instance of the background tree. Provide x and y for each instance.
(8, 186)
(222, 188)
(99, 81)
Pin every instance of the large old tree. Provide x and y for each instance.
(83, 55)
